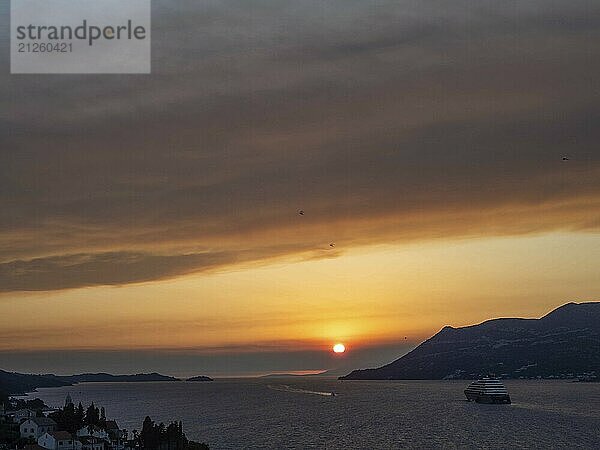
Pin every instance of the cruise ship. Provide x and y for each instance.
(487, 390)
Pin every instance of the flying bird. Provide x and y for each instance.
(301, 212)
(332, 245)
(565, 158)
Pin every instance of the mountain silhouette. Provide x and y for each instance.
(563, 344)
(20, 383)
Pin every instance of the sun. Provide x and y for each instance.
(339, 348)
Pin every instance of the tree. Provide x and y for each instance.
(102, 420)
(92, 415)
(66, 418)
(9, 434)
(3, 399)
(161, 437)
(79, 416)
(148, 436)
(35, 404)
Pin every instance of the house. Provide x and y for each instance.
(117, 436)
(22, 414)
(56, 440)
(92, 431)
(112, 429)
(114, 432)
(34, 427)
(33, 447)
(90, 443)
(47, 411)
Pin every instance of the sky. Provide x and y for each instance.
(150, 222)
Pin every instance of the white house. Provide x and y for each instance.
(117, 436)
(22, 414)
(34, 427)
(57, 440)
(93, 431)
(90, 443)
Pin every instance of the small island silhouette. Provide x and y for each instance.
(200, 378)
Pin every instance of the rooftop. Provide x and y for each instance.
(111, 425)
(89, 440)
(62, 435)
(34, 447)
(42, 421)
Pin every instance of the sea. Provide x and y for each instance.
(303, 413)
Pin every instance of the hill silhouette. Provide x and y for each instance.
(563, 344)
(20, 383)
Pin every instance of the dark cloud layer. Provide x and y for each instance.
(385, 121)
(69, 271)
(117, 268)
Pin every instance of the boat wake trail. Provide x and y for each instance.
(288, 388)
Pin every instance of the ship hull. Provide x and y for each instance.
(488, 398)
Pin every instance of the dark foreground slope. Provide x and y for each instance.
(563, 344)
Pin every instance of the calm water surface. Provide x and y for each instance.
(301, 413)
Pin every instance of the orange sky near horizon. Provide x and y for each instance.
(365, 296)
